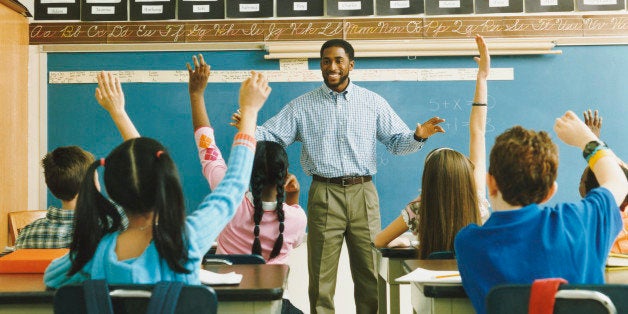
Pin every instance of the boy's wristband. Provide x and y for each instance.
(599, 154)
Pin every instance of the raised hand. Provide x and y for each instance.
(429, 127)
(572, 131)
(484, 60)
(198, 76)
(109, 93)
(593, 121)
(292, 184)
(253, 92)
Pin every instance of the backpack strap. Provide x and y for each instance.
(164, 297)
(97, 299)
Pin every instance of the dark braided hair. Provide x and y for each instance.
(270, 167)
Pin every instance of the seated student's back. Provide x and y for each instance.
(64, 170)
(522, 240)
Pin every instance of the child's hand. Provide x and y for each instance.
(109, 93)
(253, 93)
(235, 119)
(571, 130)
(484, 60)
(198, 76)
(292, 184)
(593, 121)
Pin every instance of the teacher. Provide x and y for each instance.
(339, 125)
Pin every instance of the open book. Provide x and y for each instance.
(423, 275)
(211, 278)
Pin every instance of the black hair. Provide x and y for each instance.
(64, 170)
(140, 177)
(270, 167)
(339, 43)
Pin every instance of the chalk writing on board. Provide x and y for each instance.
(451, 109)
(237, 76)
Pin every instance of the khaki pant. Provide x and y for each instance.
(335, 213)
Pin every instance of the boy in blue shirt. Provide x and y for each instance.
(522, 240)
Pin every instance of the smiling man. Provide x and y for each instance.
(339, 125)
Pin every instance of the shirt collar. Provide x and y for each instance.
(347, 92)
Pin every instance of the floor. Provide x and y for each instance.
(298, 279)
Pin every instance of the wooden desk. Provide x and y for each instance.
(260, 291)
(389, 263)
(428, 298)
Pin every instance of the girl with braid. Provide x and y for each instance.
(269, 221)
(161, 242)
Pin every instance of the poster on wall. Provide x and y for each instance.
(440, 7)
(300, 8)
(249, 8)
(146, 10)
(104, 10)
(201, 9)
(600, 5)
(350, 7)
(533, 6)
(57, 10)
(498, 6)
(399, 7)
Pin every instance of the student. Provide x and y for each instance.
(453, 193)
(522, 240)
(588, 182)
(64, 169)
(339, 125)
(161, 242)
(263, 224)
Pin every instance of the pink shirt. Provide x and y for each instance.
(237, 237)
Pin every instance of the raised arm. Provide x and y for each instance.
(196, 87)
(110, 96)
(253, 94)
(572, 131)
(477, 118)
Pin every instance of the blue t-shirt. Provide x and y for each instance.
(568, 240)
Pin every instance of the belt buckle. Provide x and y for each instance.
(346, 181)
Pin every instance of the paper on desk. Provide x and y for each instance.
(211, 278)
(423, 275)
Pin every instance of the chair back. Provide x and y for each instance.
(20, 219)
(96, 297)
(230, 259)
(572, 299)
(31, 302)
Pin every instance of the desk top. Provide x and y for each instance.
(259, 282)
(437, 291)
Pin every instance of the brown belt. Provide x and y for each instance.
(344, 181)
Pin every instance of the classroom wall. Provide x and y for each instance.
(13, 105)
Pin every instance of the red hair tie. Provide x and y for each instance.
(102, 162)
(159, 152)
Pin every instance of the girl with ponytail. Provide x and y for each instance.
(269, 221)
(161, 243)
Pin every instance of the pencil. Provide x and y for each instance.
(447, 276)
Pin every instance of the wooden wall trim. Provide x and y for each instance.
(260, 31)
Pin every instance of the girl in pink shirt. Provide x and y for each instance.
(263, 224)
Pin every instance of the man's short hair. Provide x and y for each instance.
(524, 164)
(64, 170)
(339, 43)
